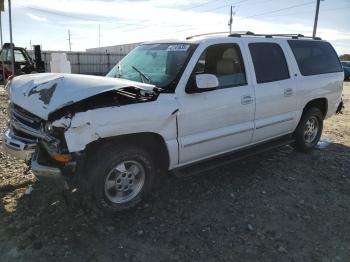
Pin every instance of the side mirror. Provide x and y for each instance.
(206, 82)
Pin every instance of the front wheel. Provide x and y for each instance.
(309, 130)
(120, 177)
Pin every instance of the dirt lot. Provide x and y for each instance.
(279, 206)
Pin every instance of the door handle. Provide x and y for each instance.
(288, 91)
(247, 99)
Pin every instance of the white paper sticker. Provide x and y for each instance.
(180, 47)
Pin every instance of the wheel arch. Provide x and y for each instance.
(154, 143)
(320, 103)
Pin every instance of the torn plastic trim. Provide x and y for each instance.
(64, 122)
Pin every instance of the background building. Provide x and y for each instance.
(115, 49)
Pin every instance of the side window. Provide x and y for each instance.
(315, 57)
(19, 57)
(225, 62)
(269, 62)
(6, 54)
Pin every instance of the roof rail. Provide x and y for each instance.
(212, 33)
(293, 36)
(236, 33)
(249, 33)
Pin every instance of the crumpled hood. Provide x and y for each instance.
(42, 94)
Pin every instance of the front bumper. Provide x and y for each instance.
(25, 138)
(17, 147)
(42, 170)
(25, 150)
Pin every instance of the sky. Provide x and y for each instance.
(46, 22)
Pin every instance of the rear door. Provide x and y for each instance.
(274, 85)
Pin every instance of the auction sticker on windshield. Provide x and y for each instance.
(181, 47)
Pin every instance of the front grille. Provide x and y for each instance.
(24, 125)
(25, 117)
(22, 136)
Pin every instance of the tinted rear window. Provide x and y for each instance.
(315, 57)
(269, 62)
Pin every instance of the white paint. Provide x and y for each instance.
(206, 124)
(64, 122)
(155, 117)
(70, 88)
(216, 117)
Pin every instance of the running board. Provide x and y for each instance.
(228, 158)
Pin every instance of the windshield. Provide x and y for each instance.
(345, 63)
(158, 64)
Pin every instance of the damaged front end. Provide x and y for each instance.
(29, 138)
(41, 111)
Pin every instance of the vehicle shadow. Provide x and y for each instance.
(267, 207)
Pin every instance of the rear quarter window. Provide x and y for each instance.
(315, 57)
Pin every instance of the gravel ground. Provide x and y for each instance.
(278, 206)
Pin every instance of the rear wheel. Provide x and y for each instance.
(120, 177)
(309, 130)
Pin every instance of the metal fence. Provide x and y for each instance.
(84, 62)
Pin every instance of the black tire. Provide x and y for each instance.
(301, 144)
(100, 168)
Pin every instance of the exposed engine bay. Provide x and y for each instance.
(124, 96)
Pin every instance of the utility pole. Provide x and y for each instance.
(99, 35)
(2, 55)
(230, 22)
(316, 17)
(70, 44)
(99, 46)
(11, 41)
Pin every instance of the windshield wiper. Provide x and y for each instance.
(142, 75)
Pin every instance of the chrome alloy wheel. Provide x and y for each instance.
(124, 181)
(311, 129)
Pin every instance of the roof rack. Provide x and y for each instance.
(249, 33)
(293, 36)
(236, 33)
(213, 33)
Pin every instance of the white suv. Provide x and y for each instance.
(170, 106)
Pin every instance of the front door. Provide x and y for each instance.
(218, 121)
